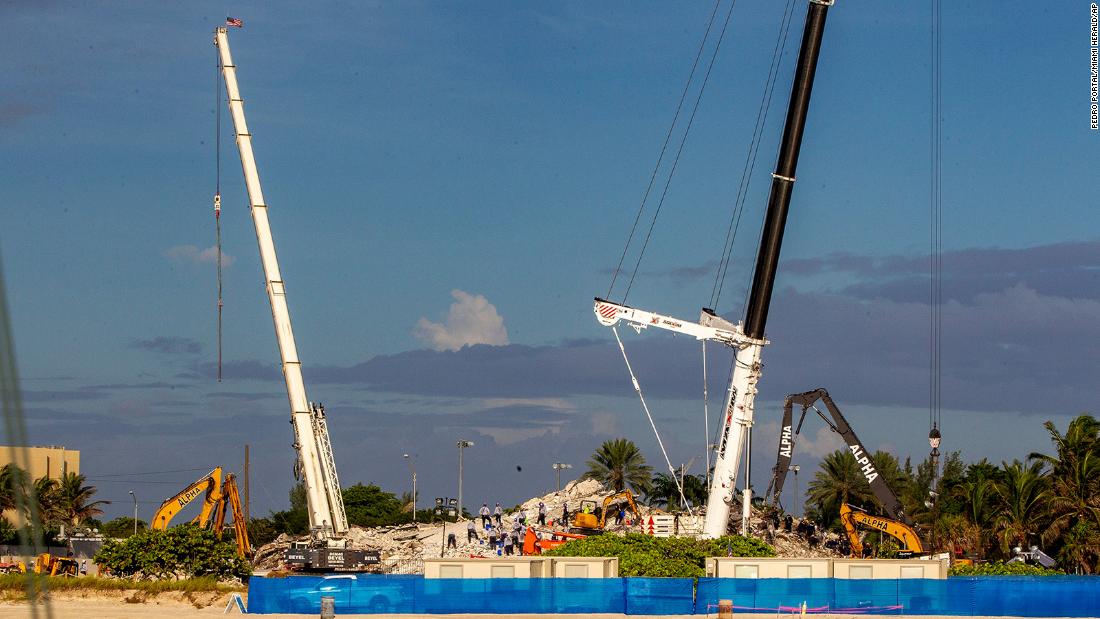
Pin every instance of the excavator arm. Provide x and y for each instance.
(850, 517)
(625, 495)
(838, 424)
(211, 483)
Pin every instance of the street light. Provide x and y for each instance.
(134, 496)
(795, 469)
(558, 466)
(412, 468)
(463, 444)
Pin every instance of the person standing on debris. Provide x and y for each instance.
(523, 516)
(620, 515)
(565, 513)
(497, 512)
(484, 512)
(471, 532)
(508, 542)
(542, 514)
(452, 541)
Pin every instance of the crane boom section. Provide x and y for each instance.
(327, 517)
(710, 326)
(211, 484)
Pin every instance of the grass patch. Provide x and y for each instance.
(16, 584)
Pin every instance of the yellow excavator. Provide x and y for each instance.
(588, 521)
(851, 516)
(220, 497)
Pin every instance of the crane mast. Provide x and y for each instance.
(327, 518)
(746, 373)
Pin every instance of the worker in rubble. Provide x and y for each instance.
(542, 513)
(523, 516)
(497, 513)
(471, 532)
(452, 541)
(565, 512)
(484, 512)
(508, 544)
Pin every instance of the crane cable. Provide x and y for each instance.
(218, 194)
(680, 149)
(664, 148)
(660, 443)
(750, 158)
(936, 243)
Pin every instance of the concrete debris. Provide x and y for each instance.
(404, 547)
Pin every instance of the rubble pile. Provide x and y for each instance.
(404, 547)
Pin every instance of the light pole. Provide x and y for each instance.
(558, 466)
(134, 496)
(412, 468)
(463, 444)
(795, 469)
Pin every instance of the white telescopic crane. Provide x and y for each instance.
(327, 519)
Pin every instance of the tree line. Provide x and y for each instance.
(979, 510)
(65, 502)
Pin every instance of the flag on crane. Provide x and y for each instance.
(233, 21)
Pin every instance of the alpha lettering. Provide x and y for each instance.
(785, 442)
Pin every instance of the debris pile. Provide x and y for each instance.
(403, 548)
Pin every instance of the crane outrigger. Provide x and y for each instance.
(746, 337)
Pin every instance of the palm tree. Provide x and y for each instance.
(976, 494)
(1082, 437)
(618, 463)
(838, 481)
(74, 500)
(12, 487)
(1022, 498)
(1074, 496)
(46, 499)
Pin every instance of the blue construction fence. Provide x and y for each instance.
(1020, 596)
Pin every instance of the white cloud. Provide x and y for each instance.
(558, 404)
(191, 253)
(470, 320)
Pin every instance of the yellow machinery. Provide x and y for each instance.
(54, 565)
(211, 483)
(587, 520)
(850, 517)
(221, 496)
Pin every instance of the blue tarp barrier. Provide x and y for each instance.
(1020, 596)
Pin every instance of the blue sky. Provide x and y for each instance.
(411, 150)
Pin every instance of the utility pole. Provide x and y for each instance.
(247, 499)
(412, 468)
(134, 496)
(558, 466)
(463, 444)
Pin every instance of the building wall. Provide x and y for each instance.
(876, 569)
(44, 461)
(523, 567)
(50, 462)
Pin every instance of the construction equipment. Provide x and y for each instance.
(591, 520)
(211, 484)
(851, 516)
(221, 496)
(534, 543)
(231, 499)
(53, 565)
(838, 424)
(315, 466)
(746, 338)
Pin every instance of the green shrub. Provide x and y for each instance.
(185, 551)
(999, 568)
(668, 557)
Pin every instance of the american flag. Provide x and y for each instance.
(233, 21)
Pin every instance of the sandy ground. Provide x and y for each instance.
(103, 607)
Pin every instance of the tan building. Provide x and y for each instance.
(49, 461)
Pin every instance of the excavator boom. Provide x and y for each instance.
(851, 517)
(211, 483)
(838, 424)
